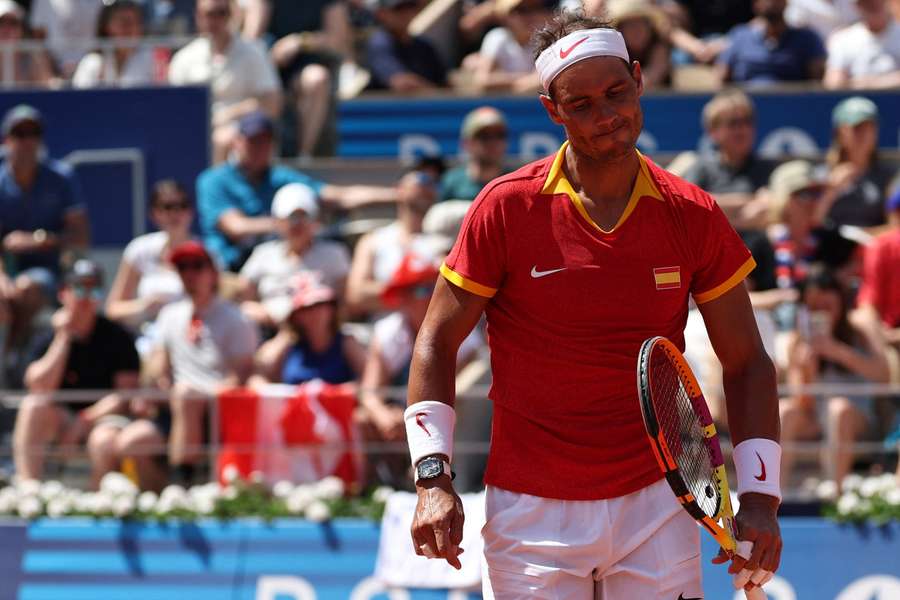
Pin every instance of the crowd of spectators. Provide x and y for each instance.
(294, 60)
(254, 292)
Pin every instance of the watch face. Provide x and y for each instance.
(429, 469)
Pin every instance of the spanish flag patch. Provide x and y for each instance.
(667, 278)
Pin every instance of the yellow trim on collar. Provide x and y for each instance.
(558, 183)
(466, 284)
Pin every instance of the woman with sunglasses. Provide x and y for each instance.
(146, 280)
(130, 63)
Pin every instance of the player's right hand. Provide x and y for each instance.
(437, 526)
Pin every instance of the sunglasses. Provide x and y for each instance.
(83, 292)
(489, 136)
(172, 206)
(808, 194)
(23, 133)
(191, 265)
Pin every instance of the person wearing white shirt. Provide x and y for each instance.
(867, 54)
(69, 26)
(131, 64)
(241, 76)
(822, 16)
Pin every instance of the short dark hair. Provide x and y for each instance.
(167, 186)
(111, 7)
(562, 24)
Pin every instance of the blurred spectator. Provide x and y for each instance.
(857, 178)
(390, 354)
(131, 63)
(822, 16)
(478, 16)
(866, 54)
(268, 275)
(399, 61)
(205, 345)
(737, 178)
(309, 343)
(484, 136)
(85, 351)
(234, 199)
(68, 26)
(880, 289)
(505, 61)
(829, 347)
(378, 253)
(28, 67)
(312, 42)
(170, 17)
(645, 30)
(766, 50)
(240, 75)
(698, 27)
(42, 216)
(146, 281)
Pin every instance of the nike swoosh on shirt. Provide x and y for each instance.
(538, 274)
(564, 53)
(762, 466)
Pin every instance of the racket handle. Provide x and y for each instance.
(756, 593)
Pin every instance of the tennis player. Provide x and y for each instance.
(576, 259)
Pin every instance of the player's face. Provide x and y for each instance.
(597, 101)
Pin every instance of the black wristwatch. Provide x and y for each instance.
(431, 467)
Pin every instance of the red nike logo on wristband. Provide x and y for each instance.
(762, 466)
(425, 429)
(564, 53)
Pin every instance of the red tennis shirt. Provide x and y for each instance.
(570, 306)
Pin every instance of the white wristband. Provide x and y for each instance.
(757, 462)
(429, 429)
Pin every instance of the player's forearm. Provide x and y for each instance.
(432, 375)
(752, 399)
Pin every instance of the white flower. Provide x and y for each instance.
(330, 488)
(887, 482)
(30, 507)
(59, 507)
(382, 493)
(51, 489)
(257, 477)
(84, 503)
(826, 490)
(205, 505)
(28, 487)
(847, 504)
(282, 489)
(123, 506)
(893, 497)
(102, 503)
(146, 502)
(230, 474)
(870, 487)
(299, 499)
(117, 484)
(173, 497)
(852, 482)
(230, 492)
(9, 500)
(317, 512)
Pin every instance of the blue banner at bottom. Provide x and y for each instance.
(84, 559)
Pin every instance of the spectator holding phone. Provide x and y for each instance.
(830, 347)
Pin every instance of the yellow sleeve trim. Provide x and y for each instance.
(466, 284)
(729, 283)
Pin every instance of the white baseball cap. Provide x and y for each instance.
(293, 197)
(8, 7)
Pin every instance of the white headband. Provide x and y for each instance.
(577, 46)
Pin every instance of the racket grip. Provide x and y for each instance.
(744, 549)
(756, 593)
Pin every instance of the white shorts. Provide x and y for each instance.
(642, 546)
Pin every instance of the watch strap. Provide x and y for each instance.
(446, 470)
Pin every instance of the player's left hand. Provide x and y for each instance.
(757, 522)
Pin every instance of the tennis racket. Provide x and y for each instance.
(686, 445)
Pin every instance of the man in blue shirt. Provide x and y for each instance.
(766, 50)
(42, 215)
(234, 199)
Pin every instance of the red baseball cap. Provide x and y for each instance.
(190, 250)
(414, 270)
(309, 290)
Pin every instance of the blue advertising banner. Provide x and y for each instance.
(787, 123)
(84, 559)
(120, 141)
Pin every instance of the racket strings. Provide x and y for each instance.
(683, 432)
